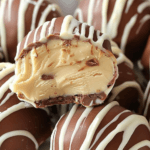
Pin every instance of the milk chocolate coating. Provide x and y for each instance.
(35, 121)
(145, 61)
(92, 127)
(129, 93)
(55, 34)
(132, 21)
(35, 10)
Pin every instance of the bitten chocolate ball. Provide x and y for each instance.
(147, 102)
(105, 127)
(18, 17)
(65, 61)
(126, 21)
(22, 127)
(127, 91)
(144, 63)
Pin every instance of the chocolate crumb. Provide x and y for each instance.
(47, 77)
(92, 62)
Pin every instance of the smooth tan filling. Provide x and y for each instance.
(62, 69)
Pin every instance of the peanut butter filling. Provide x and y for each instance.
(64, 68)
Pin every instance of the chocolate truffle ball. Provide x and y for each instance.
(65, 61)
(105, 127)
(127, 91)
(147, 102)
(144, 63)
(126, 21)
(18, 17)
(22, 127)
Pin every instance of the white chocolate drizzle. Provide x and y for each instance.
(3, 29)
(105, 127)
(127, 126)
(94, 125)
(13, 109)
(6, 69)
(118, 89)
(142, 21)
(140, 144)
(18, 133)
(90, 10)
(67, 32)
(83, 116)
(143, 6)
(64, 128)
(47, 11)
(147, 99)
(126, 32)
(111, 26)
(6, 98)
(23, 6)
(129, 3)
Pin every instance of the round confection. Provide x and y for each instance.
(126, 21)
(105, 127)
(147, 102)
(22, 127)
(144, 63)
(65, 61)
(18, 17)
(127, 91)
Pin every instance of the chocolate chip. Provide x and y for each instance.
(47, 77)
(92, 62)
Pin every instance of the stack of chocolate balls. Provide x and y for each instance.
(73, 79)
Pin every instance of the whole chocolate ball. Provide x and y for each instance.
(126, 21)
(108, 127)
(18, 17)
(127, 91)
(22, 127)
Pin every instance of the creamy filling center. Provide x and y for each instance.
(61, 68)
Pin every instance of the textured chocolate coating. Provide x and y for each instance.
(67, 36)
(19, 17)
(131, 28)
(108, 127)
(147, 102)
(19, 120)
(127, 91)
(82, 99)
